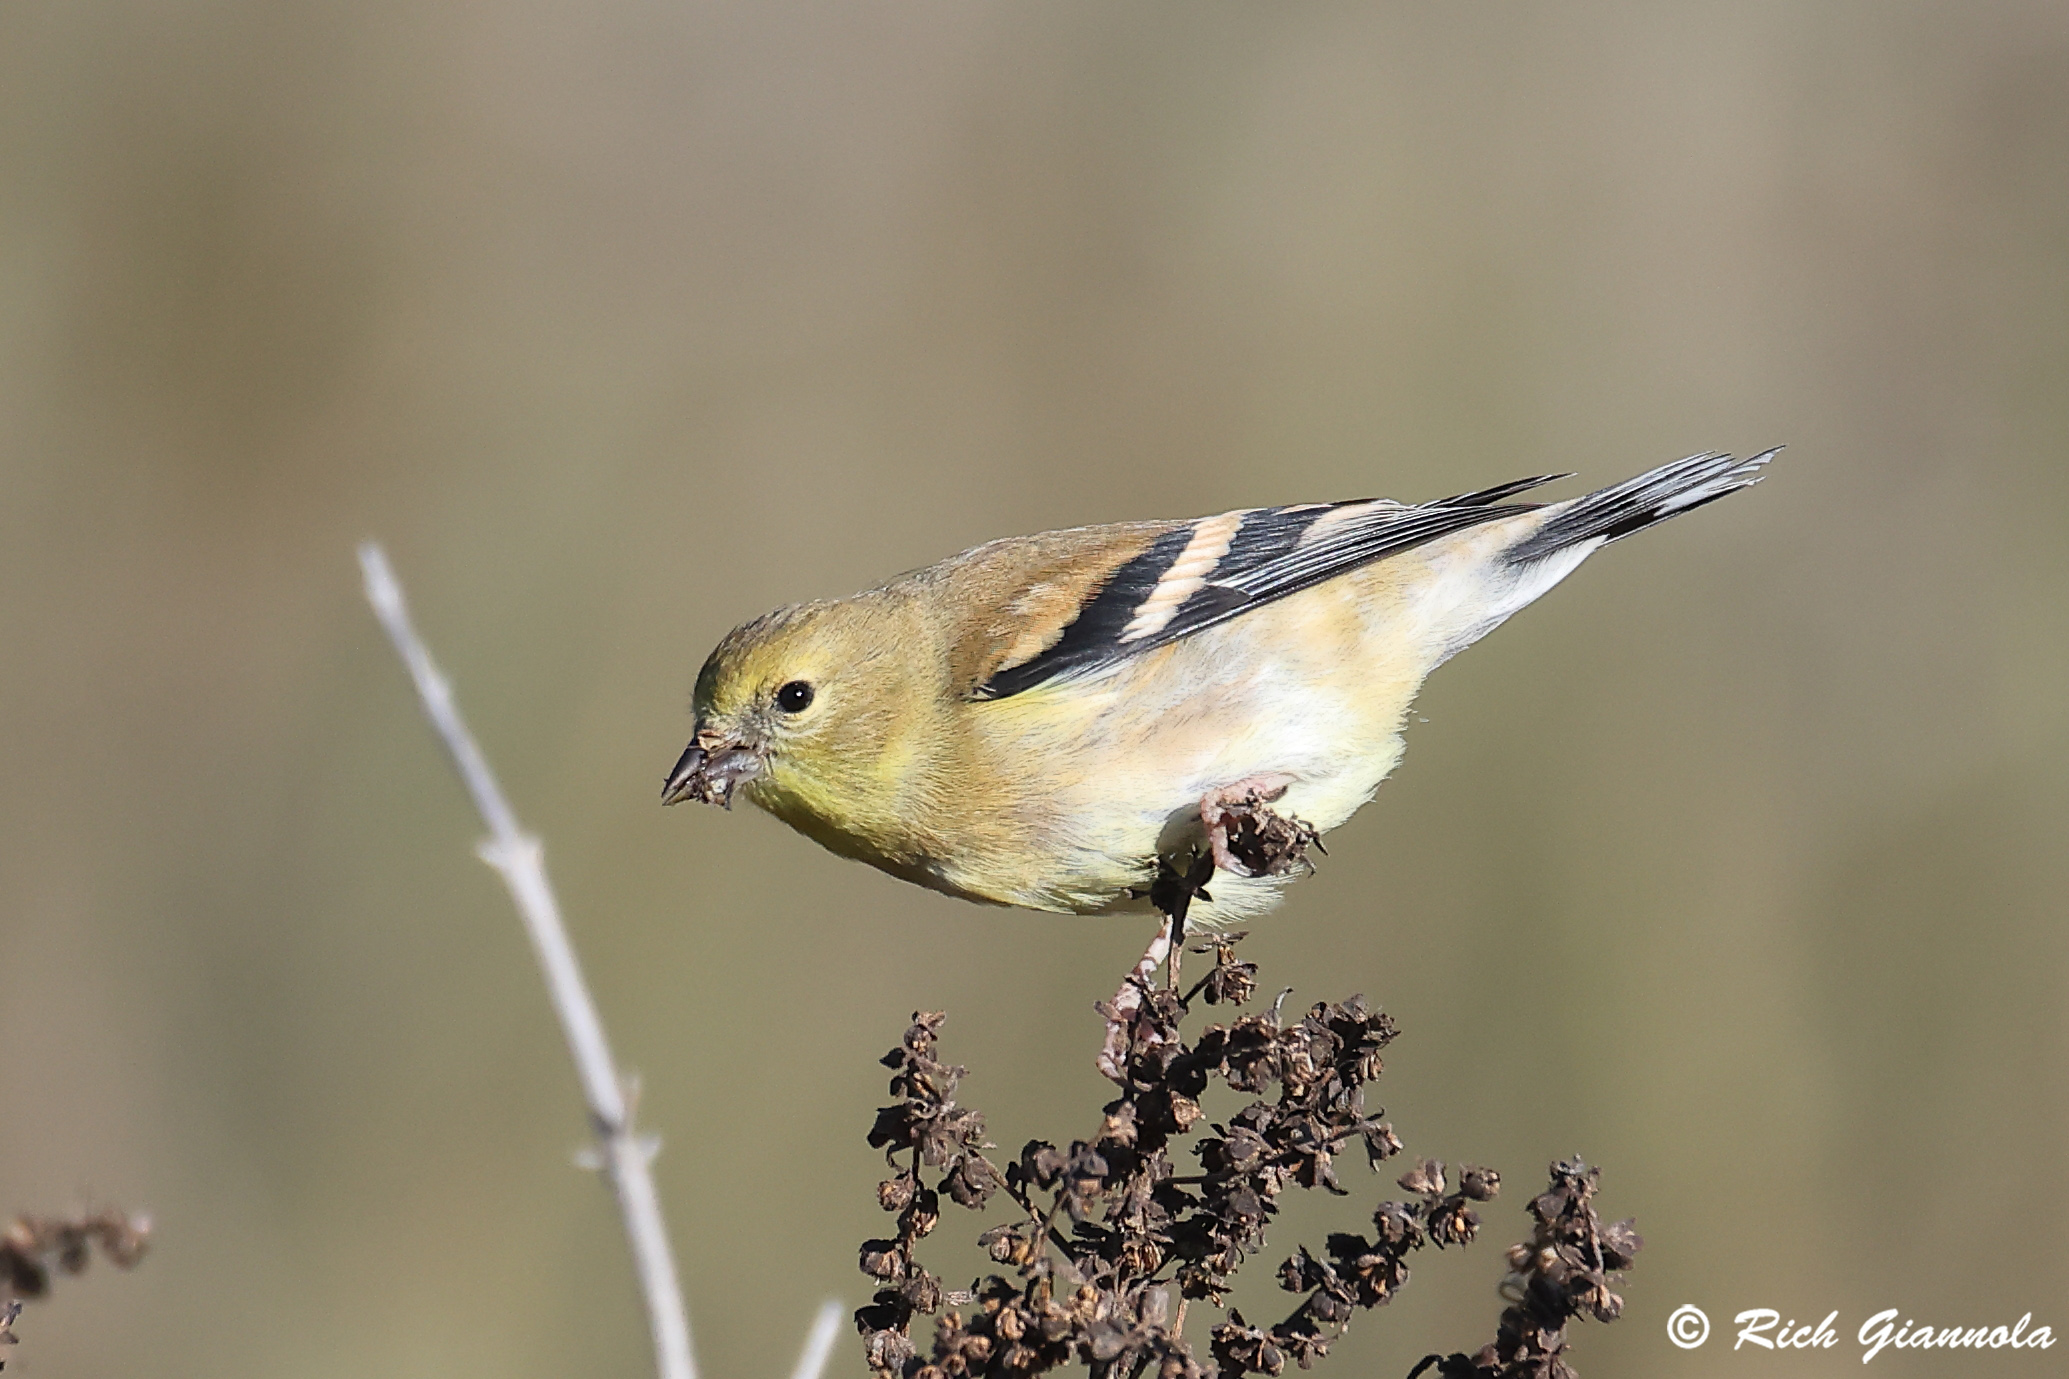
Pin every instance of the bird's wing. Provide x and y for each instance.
(1166, 581)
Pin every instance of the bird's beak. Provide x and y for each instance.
(709, 776)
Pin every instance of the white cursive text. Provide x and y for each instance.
(1879, 1331)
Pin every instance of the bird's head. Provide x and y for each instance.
(805, 710)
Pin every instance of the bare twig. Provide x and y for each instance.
(517, 857)
(1127, 1003)
(819, 1341)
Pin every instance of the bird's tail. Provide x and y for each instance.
(1615, 512)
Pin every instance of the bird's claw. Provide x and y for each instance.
(1174, 891)
(1246, 837)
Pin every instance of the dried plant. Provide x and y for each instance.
(33, 1248)
(1565, 1270)
(622, 1153)
(1108, 1229)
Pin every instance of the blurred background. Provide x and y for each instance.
(1735, 865)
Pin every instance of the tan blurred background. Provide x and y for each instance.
(1736, 865)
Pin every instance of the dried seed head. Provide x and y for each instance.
(1425, 1179)
(1104, 1226)
(882, 1259)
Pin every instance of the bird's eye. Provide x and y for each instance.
(794, 697)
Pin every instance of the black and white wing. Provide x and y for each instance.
(1204, 572)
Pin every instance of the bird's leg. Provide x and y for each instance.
(1173, 892)
(1245, 838)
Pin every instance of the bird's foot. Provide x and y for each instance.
(1173, 891)
(1247, 838)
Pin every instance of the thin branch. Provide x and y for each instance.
(1127, 1003)
(517, 857)
(819, 1341)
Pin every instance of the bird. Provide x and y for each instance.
(1079, 721)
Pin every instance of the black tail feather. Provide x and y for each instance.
(1482, 497)
(1615, 512)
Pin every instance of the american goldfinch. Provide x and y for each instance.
(1054, 721)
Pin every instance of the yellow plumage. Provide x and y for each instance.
(1038, 721)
